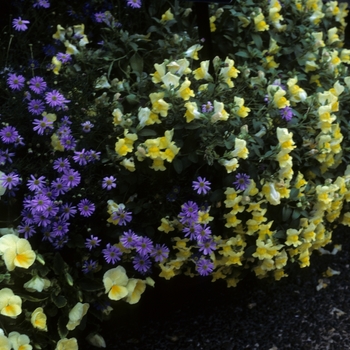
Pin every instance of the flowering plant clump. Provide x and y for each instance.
(127, 156)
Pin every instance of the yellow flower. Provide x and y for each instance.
(167, 16)
(170, 81)
(60, 33)
(239, 109)
(170, 153)
(203, 72)
(37, 284)
(231, 219)
(166, 226)
(38, 319)
(159, 106)
(4, 342)
(158, 164)
(279, 100)
(159, 73)
(115, 281)
(240, 151)
(16, 251)
(212, 20)
(318, 37)
(10, 304)
(128, 164)
(76, 314)
(293, 236)
(179, 67)
(230, 165)
(296, 92)
(271, 194)
(67, 344)
(345, 55)
(260, 24)
(269, 62)
(167, 271)
(332, 36)
(219, 112)
(185, 92)
(191, 112)
(316, 17)
(19, 341)
(56, 144)
(192, 52)
(228, 72)
(135, 288)
(57, 65)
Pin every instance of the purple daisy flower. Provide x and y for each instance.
(68, 142)
(20, 24)
(37, 84)
(71, 178)
(59, 186)
(60, 242)
(160, 252)
(68, 210)
(64, 57)
(109, 182)
(42, 220)
(207, 107)
(286, 113)
(136, 4)
(40, 203)
(9, 134)
(92, 242)
(61, 165)
(41, 3)
(201, 185)
(111, 254)
(242, 181)
(203, 232)
(189, 213)
(36, 107)
(191, 230)
(207, 246)
(141, 263)
(9, 181)
(80, 157)
(129, 239)
(42, 125)
(60, 228)
(15, 82)
(122, 216)
(86, 207)
(204, 266)
(144, 245)
(99, 17)
(26, 229)
(35, 184)
(55, 99)
(87, 126)
(89, 266)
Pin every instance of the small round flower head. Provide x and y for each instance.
(26, 229)
(201, 185)
(40, 203)
(36, 184)
(6, 156)
(87, 126)
(111, 254)
(99, 17)
(160, 252)
(89, 266)
(92, 242)
(204, 266)
(9, 181)
(40, 125)
(60, 228)
(55, 99)
(20, 24)
(41, 3)
(8, 134)
(144, 245)
(59, 186)
(71, 178)
(68, 210)
(189, 213)
(129, 239)
(109, 182)
(61, 165)
(15, 82)
(122, 216)
(142, 263)
(136, 4)
(80, 157)
(68, 142)
(190, 231)
(86, 207)
(37, 84)
(242, 181)
(203, 232)
(207, 246)
(36, 107)
(286, 113)
(64, 57)
(207, 107)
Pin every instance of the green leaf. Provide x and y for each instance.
(59, 300)
(217, 196)
(242, 54)
(90, 285)
(257, 40)
(249, 251)
(193, 125)
(286, 213)
(62, 327)
(136, 63)
(193, 157)
(177, 163)
(147, 132)
(58, 264)
(293, 193)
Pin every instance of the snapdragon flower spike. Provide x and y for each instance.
(10, 181)
(160, 252)
(36, 107)
(86, 207)
(40, 126)
(142, 263)
(20, 24)
(92, 242)
(129, 239)
(15, 82)
(111, 254)
(204, 267)
(35, 184)
(108, 182)
(8, 134)
(144, 246)
(37, 85)
(242, 181)
(201, 185)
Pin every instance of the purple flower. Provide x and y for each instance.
(93, 155)
(111, 254)
(92, 242)
(10, 180)
(86, 207)
(191, 230)
(80, 157)
(68, 142)
(203, 232)
(207, 246)
(42, 125)
(55, 99)
(59, 186)
(99, 17)
(40, 203)
(88, 266)
(136, 4)
(64, 57)
(20, 24)
(26, 229)
(37, 84)
(286, 113)
(160, 252)
(35, 184)
(36, 107)
(201, 185)
(71, 178)
(8, 134)
(144, 245)
(141, 263)
(242, 181)
(122, 216)
(204, 266)
(109, 182)
(207, 107)
(129, 239)
(42, 220)
(61, 165)
(5, 156)
(189, 213)
(87, 126)
(41, 3)
(60, 242)
(60, 228)
(68, 210)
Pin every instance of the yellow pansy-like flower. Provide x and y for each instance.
(228, 72)
(167, 16)
(10, 304)
(76, 314)
(202, 72)
(185, 92)
(240, 110)
(115, 281)
(19, 341)
(159, 106)
(4, 342)
(191, 112)
(192, 52)
(38, 319)
(56, 144)
(16, 252)
(271, 194)
(260, 24)
(135, 288)
(67, 344)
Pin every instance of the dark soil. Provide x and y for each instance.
(186, 313)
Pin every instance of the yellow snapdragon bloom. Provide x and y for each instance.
(185, 92)
(125, 145)
(192, 111)
(293, 237)
(240, 110)
(135, 288)
(219, 112)
(240, 150)
(228, 72)
(167, 16)
(192, 52)
(260, 24)
(203, 72)
(159, 106)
